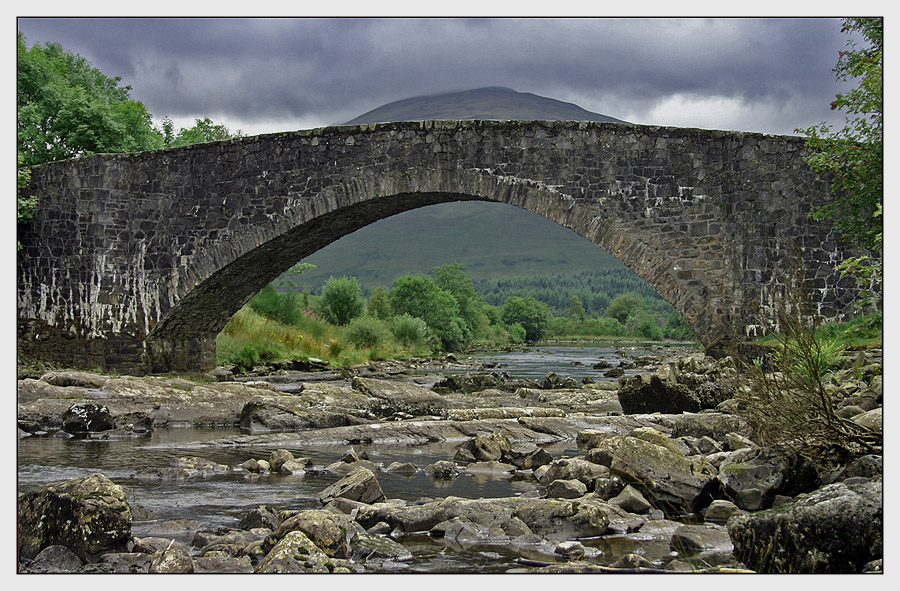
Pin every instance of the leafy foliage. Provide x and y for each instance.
(411, 331)
(204, 130)
(366, 332)
(68, 108)
(281, 307)
(853, 154)
(341, 300)
(419, 297)
(530, 314)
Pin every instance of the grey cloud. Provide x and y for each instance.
(339, 68)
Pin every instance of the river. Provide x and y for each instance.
(221, 500)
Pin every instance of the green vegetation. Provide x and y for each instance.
(341, 300)
(419, 316)
(793, 406)
(67, 108)
(853, 157)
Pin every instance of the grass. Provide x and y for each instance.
(250, 339)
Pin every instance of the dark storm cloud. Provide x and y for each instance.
(331, 70)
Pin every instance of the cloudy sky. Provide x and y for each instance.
(770, 75)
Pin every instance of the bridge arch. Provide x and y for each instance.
(142, 259)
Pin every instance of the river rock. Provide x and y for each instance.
(330, 532)
(871, 419)
(127, 562)
(407, 469)
(631, 500)
(171, 561)
(267, 417)
(691, 540)
(359, 485)
(484, 448)
(389, 397)
(375, 550)
(663, 476)
(295, 553)
(563, 520)
(55, 559)
(442, 470)
(408, 518)
(88, 515)
(566, 489)
(754, 476)
(720, 511)
(647, 394)
(526, 455)
(85, 417)
(574, 469)
(838, 528)
(714, 425)
(278, 457)
(218, 564)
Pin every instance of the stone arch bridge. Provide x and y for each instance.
(135, 262)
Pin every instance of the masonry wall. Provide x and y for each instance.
(137, 261)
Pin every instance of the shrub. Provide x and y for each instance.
(531, 314)
(411, 331)
(365, 332)
(278, 306)
(341, 300)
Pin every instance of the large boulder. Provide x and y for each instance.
(359, 485)
(295, 553)
(484, 448)
(752, 477)
(838, 528)
(88, 515)
(563, 520)
(574, 469)
(329, 531)
(648, 394)
(666, 478)
(390, 397)
(259, 416)
(87, 417)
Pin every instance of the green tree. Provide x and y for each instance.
(419, 297)
(853, 155)
(576, 309)
(25, 204)
(380, 304)
(531, 314)
(452, 278)
(341, 300)
(204, 130)
(623, 306)
(67, 108)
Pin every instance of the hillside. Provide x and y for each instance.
(490, 240)
(493, 102)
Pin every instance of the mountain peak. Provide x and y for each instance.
(490, 102)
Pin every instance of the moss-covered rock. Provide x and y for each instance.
(88, 515)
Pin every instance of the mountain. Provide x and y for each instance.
(490, 240)
(492, 102)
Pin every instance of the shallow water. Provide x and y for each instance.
(221, 500)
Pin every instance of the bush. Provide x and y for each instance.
(531, 314)
(341, 300)
(418, 296)
(278, 306)
(411, 331)
(365, 332)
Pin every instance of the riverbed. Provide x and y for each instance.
(180, 506)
